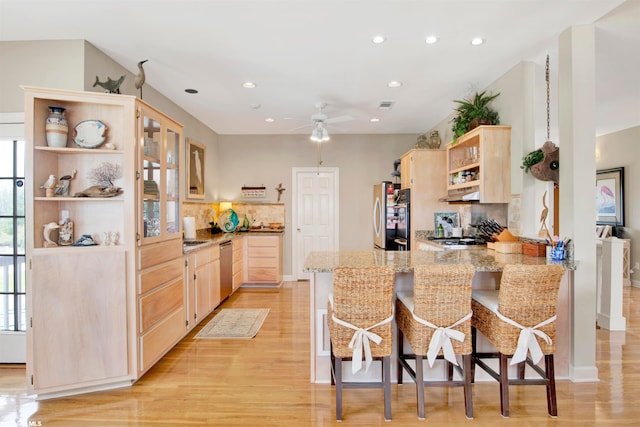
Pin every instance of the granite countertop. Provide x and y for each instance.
(204, 238)
(483, 259)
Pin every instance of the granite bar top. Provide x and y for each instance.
(403, 261)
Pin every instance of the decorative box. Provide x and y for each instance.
(534, 249)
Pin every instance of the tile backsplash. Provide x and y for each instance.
(256, 212)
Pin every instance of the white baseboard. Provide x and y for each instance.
(583, 375)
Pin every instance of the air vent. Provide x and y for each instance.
(385, 105)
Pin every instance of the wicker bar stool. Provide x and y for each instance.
(360, 319)
(519, 319)
(436, 320)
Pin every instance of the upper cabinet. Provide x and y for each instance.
(479, 162)
(159, 178)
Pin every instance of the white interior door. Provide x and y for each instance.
(314, 213)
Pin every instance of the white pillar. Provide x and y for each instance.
(610, 310)
(577, 142)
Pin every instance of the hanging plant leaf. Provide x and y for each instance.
(531, 159)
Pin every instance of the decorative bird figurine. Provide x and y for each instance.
(62, 188)
(280, 189)
(49, 186)
(140, 78)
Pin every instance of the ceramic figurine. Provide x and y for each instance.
(62, 188)
(110, 86)
(140, 78)
(49, 186)
(48, 228)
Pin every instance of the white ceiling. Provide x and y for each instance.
(300, 52)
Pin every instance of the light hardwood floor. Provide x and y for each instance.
(265, 382)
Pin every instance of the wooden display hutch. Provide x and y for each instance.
(94, 310)
(480, 161)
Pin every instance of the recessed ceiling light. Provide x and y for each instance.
(394, 83)
(248, 85)
(191, 90)
(476, 41)
(431, 40)
(378, 39)
(255, 106)
(374, 120)
(269, 120)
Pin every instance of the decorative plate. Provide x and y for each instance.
(89, 133)
(228, 221)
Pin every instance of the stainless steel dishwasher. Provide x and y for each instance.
(226, 269)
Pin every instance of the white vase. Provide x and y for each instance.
(56, 128)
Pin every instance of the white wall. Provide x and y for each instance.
(623, 149)
(363, 160)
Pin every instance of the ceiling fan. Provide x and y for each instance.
(319, 122)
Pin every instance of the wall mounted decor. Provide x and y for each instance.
(195, 170)
(610, 197)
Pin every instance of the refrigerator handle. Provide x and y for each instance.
(377, 217)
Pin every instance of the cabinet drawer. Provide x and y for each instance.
(262, 263)
(158, 304)
(160, 339)
(262, 241)
(237, 267)
(204, 256)
(160, 275)
(262, 251)
(262, 275)
(158, 253)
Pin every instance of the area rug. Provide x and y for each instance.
(235, 323)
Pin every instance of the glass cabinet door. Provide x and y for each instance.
(172, 219)
(160, 178)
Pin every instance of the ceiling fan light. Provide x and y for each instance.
(325, 135)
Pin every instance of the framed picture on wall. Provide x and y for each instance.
(195, 169)
(610, 197)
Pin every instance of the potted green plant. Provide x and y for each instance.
(472, 112)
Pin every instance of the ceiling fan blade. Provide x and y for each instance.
(307, 126)
(339, 119)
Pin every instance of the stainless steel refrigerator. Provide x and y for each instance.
(385, 217)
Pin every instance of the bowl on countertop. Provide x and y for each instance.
(275, 225)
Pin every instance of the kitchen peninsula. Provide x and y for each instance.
(488, 265)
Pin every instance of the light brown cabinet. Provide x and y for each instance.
(238, 261)
(424, 172)
(114, 309)
(480, 161)
(264, 259)
(203, 283)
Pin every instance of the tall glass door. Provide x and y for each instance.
(12, 243)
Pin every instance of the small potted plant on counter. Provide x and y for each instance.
(473, 112)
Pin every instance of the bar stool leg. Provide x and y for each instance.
(468, 397)
(420, 386)
(338, 374)
(504, 385)
(386, 379)
(551, 385)
(400, 346)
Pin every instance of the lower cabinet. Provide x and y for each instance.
(238, 261)
(161, 301)
(264, 259)
(77, 334)
(203, 283)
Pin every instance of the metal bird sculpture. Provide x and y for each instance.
(140, 78)
(110, 86)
